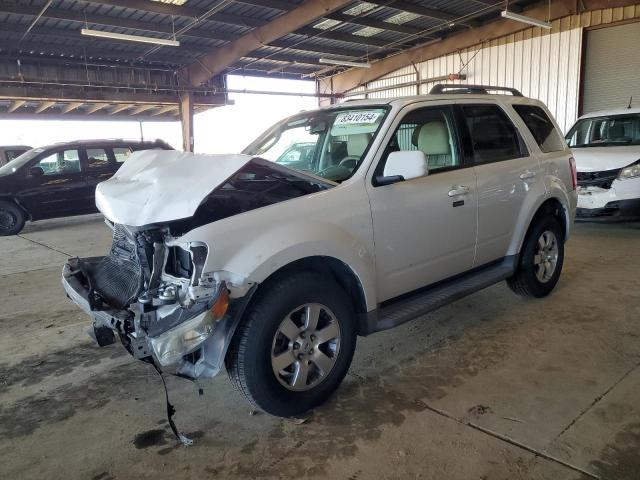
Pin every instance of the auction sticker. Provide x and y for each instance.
(356, 118)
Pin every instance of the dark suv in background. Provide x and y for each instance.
(60, 180)
(11, 152)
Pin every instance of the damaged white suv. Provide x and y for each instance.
(400, 207)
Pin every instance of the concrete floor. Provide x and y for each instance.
(491, 387)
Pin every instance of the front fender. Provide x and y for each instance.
(253, 245)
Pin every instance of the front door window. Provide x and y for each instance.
(60, 163)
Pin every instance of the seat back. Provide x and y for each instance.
(432, 138)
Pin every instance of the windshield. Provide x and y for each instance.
(17, 162)
(329, 143)
(605, 131)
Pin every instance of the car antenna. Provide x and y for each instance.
(630, 100)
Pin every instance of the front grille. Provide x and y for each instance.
(602, 179)
(118, 278)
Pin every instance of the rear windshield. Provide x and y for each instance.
(605, 131)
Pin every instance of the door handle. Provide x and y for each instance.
(458, 190)
(527, 175)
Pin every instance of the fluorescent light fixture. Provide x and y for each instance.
(129, 38)
(344, 63)
(525, 19)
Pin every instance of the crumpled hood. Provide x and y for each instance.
(596, 159)
(161, 185)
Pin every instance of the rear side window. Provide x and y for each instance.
(121, 153)
(493, 136)
(541, 127)
(97, 157)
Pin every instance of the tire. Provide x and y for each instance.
(12, 219)
(538, 246)
(282, 306)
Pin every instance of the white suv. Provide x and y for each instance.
(403, 206)
(606, 146)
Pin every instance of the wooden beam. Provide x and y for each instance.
(95, 107)
(163, 110)
(119, 108)
(352, 78)
(43, 106)
(142, 108)
(71, 106)
(215, 62)
(15, 105)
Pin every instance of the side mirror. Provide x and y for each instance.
(36, 171)
(403, 166)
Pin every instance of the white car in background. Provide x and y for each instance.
(606, 146)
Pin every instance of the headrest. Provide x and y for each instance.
(433, 138)
(616, 130)
(357, 144)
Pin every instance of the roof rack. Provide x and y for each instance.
(473, 89)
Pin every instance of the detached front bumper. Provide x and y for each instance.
(195, 343)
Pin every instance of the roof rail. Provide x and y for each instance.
(442, 88)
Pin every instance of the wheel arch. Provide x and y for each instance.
(551, 206)
(329, 267)
(12, 200)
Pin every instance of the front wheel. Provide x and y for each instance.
(294, 346)
(12, 219)
(541, 260)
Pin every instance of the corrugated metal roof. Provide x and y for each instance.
(347, 39)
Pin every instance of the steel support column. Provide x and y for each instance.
(186, 119)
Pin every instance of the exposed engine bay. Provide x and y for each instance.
(152, 292)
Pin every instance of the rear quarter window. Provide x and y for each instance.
(541, 127)
(493, 136)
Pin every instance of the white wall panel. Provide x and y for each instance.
(540, 63)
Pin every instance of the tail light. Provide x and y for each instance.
(574, 173)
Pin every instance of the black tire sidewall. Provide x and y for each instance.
(264, 318)
(534, 286)
(19, 215)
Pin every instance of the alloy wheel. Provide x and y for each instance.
(305, 347)
(545, 259)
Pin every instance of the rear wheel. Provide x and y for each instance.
(541, 260)
(294, 345)
(12, 219)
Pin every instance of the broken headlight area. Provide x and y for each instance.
(155, 298)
